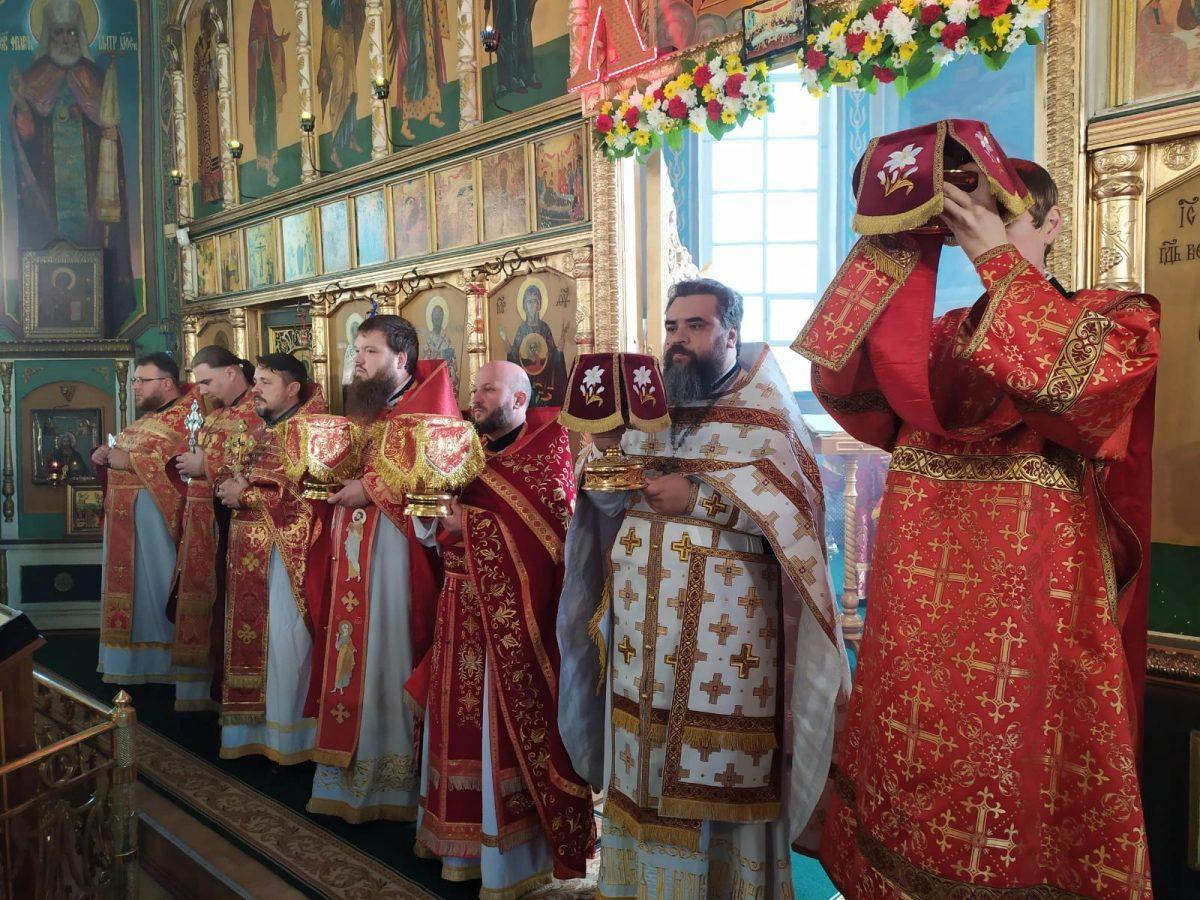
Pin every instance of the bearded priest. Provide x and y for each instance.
(696, 619)
(143, 509)
(384, 585)
(268, 624)
(199, 595)
(989, 747)
(499, 799)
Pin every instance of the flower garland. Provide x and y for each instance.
(717, 95)
(908, 41)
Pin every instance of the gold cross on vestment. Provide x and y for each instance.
(763, 484)
(767, 633)
(340, 713)
(1002, 670)
(723, 629)
(683, 547)
(656, 687)
(850, 290)
(1056, 765)
(1071, 628)
(1136, 882)
(627, 758)
(941, 575)
(728, 570)
(764, 692)
(628, 594)
(676, 602)
(714, 447)
(349, 601)
(1043, 322)
(626, 649)
(652, 445)
(1023, 505)
(751, 601)
(715, 688)
(983, 807)
(631, 541)
(910, 730)
(729, 778)
(745, 661)
(909, 493)
(714, 505)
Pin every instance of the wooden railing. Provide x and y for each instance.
(67, 817)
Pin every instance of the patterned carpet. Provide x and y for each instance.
(260, 806)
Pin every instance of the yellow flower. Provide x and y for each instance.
(707, 93)
(606, 108)
(670, 89)
(648, 102)
(759, 109)
(1002, 24)
(696, 128)
(733, 63)
(844, 68)
(684, 81)
(906, 50)
(811, 39)
(873, 44)
(609, 138)
(641, 138)
(622, 129)
(1037, 5)
(728, 116)
(836, 30)
(624, 108)
(907, 6)
(761, 69)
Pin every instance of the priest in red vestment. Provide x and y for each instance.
(270, 599)
(500, 800)
(989, 747)
(385, 582)
(198, 606)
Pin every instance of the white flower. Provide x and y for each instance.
(963, 44)
(824, 36)
(719, 77)
(899, 26)
(592, 376)
(655, 118)
(902, 159)
(858, 26)
(958, 11)
(689, 96)
(697, 117)
(635, 100)
(870, 25)
(1026, 19)
(838, 46)
(621, 141)
(1015, 39)
(641, 377)
(941, 54)
(753, 90)
(808, 76)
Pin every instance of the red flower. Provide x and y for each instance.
(993, 8)
(660, 96)
(854, 43)
(604, 123)
(881, 11)
(815, 59)
(702, 76)
(714, 110)
(884, 75)
(733, 84)
(930, 13)
(677, 109)
(631, 117)
(951, 34)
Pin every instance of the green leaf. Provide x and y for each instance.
(995, 60)
(675, 139)
(919, 67)
(1032, 36)
(689, 66)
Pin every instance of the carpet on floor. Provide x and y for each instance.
(260, 805)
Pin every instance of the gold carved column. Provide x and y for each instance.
(183, 191)
(1061, 123)
(190, 326)
(231, 195)
(377, 64)
(122, 366)
(586, 324)
(468, 65)
(241, 337)
(1118, 226)
(319, 308)
(304, 88)
(611, 326)
(477, 317)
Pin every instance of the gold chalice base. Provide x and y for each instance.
(317, 490)
(613, 472)
(429, 506)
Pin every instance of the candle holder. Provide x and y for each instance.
(380, 87)
(307, 122)
(56, 472)
(235, 148)
(610, 391)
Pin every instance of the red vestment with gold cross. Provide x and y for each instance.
(989, 746)
(271, 515)
(200, 565)
(339, 711)
(497, 608)
(152, 442)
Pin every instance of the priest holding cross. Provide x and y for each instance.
(689, 586)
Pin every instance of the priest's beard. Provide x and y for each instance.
(151, 403)
(499, 419)
(690, 380)
(366, 398)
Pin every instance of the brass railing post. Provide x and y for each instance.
(123, 807)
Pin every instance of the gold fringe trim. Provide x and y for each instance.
(714, 739)
(510, 786)
(897, 222)
(650, 426)
(339, 758)
(466, 783)
(189, 656)
(414, 707)
(520, 889)
(591, 426)
(357, 815)
(719, 812)
(656, 832)
(895, 269)
(595, 634)
(627, 721)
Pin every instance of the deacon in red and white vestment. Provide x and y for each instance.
(989, 748)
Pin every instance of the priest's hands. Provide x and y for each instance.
(669, 495)
(230, 491)
(100, 455)
(117, 458)
(191, 464)
(974, 220)
(352, 495)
